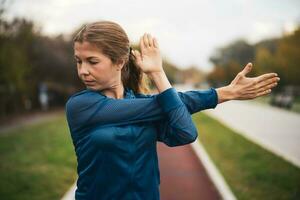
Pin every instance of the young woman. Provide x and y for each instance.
(115, 127)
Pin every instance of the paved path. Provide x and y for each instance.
(275, 129)
(183, 175)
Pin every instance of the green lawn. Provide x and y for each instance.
(37, 162)
(251, 171)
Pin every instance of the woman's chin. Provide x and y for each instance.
(92, 87)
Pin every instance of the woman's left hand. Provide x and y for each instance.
(243, 88)
(149, 59)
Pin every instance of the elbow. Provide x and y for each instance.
(182, 137)
(193, 135)
(194, 138)
(190, 136)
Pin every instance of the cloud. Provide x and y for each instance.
(263, 29)
(188, 31)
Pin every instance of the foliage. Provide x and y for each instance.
(28, 59)
(279, 55)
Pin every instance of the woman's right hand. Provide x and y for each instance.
(149, 59)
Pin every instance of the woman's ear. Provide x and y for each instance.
(120, 64)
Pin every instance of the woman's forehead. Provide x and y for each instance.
(86, 49)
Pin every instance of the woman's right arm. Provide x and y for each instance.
(88, 108)
(178, 127)
(194, 100)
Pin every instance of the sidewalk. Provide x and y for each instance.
(274, 129)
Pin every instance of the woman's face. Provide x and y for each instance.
(95, 69)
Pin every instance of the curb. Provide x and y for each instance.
(216, 177)
(70, 195)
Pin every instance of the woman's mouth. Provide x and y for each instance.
(88, 82)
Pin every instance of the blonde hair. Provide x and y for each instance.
(113, 42)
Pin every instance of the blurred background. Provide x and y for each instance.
(204, 44)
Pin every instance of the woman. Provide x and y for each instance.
(115, 127)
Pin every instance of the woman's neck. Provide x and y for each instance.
(116, 92)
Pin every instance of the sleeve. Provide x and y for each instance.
(195, 101)
(177, 128)
(88, 109)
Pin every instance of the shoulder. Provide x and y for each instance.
(80, 96)
(82, 99)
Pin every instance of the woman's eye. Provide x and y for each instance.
(93, 63)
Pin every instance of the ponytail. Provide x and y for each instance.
(133, 77)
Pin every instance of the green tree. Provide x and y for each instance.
(287, 58)
(232, 58)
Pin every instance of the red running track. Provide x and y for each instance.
(182, 175)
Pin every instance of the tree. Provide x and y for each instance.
(287, 58)
(231, 58)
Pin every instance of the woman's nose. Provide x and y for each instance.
(83, 70)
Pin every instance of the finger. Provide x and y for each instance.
(264, 93)
(150, 40)
(142, 46)
(266, 87)
(138, 56)
(246, 69)
(155, 43)
(145, 39)
(267, 76)
(266, 82)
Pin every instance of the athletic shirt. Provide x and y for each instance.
(115, 139)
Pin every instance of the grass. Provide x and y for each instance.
(37, 161)
(251, 171)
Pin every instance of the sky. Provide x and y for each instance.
(188, 31)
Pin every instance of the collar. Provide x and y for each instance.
(128, 93)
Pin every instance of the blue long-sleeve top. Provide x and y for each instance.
(115, 139)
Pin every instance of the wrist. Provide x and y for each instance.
(160, 80)
(225, 94)
(155, 74)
